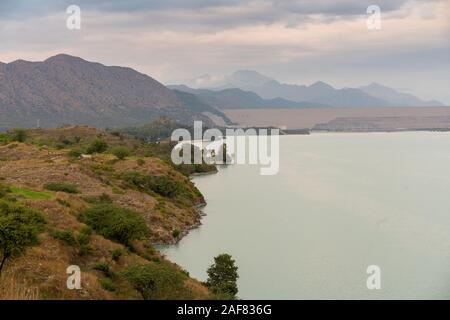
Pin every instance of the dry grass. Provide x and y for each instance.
(41, 272)
(12, 287)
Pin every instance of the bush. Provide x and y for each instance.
(74, 153)
(121, 152)
(61, 186)
(66, 236)
(162, 185)
(156, 281)
(101, 199)
(19, 135)
(107, 284)
(104, 267)
(84, 236)
(4, 190)
(116, 254)
(140, 162)
(63, 202)
(19, 228)
(176, 233)
(97, 146)
(115, 223)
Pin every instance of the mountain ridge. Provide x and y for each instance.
(319, 92)
(65, 89)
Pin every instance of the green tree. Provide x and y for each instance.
(19, 228)
(18, 135)
(222, 276)
(121, 152)
(97, 146)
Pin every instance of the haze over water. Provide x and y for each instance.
(340, 203)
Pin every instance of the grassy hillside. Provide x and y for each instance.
(105, 199)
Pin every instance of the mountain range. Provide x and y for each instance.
(69, 90)
(319, 93)
(234, 98)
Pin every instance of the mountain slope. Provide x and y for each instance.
(397, 98)
(67, 89)
(234, 98)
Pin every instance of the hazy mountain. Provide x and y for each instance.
(67, 89)
(395, 97)
(234, 98)
(320, 92)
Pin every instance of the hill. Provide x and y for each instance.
(43, 170)
(69, 90)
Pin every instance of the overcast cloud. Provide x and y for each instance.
(295, 41)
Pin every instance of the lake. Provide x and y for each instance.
(340, 202)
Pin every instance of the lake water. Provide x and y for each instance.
(340, 203)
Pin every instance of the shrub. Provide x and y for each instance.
(74, 153)
(121, 152)
(107, 284)
(19, 228)
(66, 236)
(4, 190)
(104, 267)
(140, 162)
(97, 146)
(176, 233)
(116, 254)
(63, 202)
(162, 185)
(85, 249)
(115, 223)
(19, 135)
(61, 186)
(84, 239)
(103, 198)
(156, 281)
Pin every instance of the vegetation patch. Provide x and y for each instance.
(64, 235)
(61, 187)
(157, 281)
(19, 228)
(115, 223)
(30, 194)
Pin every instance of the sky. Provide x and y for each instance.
(293, 41)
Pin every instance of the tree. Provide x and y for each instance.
(97, 146)
(19, 228)
(18, 135)
(121, 152)
(222, 276)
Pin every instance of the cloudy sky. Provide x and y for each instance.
(294, 41)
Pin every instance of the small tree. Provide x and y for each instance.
(222, 276)
(19, 228)
(121, 152)
(18, 135)
(97, 146)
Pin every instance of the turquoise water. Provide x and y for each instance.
(340, 203)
